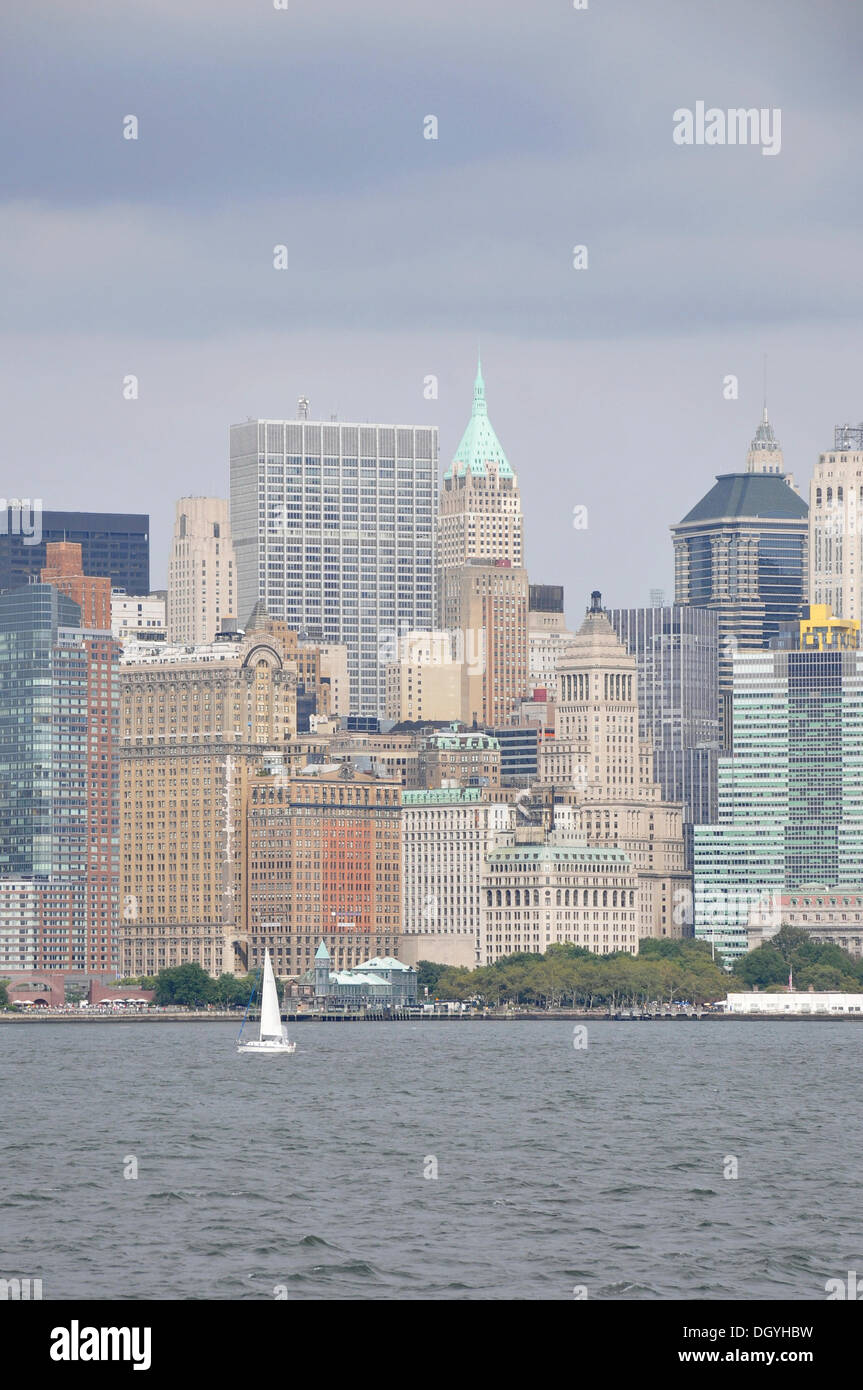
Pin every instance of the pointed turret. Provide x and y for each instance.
(479, 445)
(765, 451)
(322, 972)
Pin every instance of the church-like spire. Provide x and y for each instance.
(479, 405)
(479, 445)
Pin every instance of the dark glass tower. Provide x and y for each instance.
(114, 545)
(743, 551)
(677, 650)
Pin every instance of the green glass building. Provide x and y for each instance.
(790, 796)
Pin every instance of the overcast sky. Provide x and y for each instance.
(304, 127)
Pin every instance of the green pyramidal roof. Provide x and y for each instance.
(479, 443)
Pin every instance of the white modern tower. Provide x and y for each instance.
(334, 529)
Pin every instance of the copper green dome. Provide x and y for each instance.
(479, 444)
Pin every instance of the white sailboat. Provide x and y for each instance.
(274, 1035)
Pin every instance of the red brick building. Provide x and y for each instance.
(323, 859)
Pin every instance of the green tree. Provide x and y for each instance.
(762, 967)
(4, 994)
(428, 974)
(186, 984)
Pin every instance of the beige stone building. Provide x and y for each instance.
(482, 587)
(423, 682)
(334, 668)
(598, 765)
(447, 833)
(539, 889)
(192, 727)
(202, 581)
(836, 525)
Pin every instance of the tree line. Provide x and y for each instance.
(663, 972)
(190, 986)
(812, 964)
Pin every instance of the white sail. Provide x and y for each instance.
(271, 1020)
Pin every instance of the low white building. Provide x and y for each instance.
(138, 616)
(802, 1002)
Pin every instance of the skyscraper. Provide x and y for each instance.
(791, 794)
(193, 724)
(324, 862)
(334, 528)
(836, 525)
(114, 545)
(599, 764)
(677, 652)
(202, 583)
(58, 793)
(742, 550)
(482, 585)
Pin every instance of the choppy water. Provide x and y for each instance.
(556, 1167)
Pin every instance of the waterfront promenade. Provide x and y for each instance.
(47, 1016)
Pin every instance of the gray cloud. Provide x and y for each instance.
(155, 257)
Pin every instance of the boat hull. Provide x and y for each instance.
(267, 1049)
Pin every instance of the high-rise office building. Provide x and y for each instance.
(677, 653)
(58, 791)
(742, 550)
(194, 725)
(547, 634)
(114, 545)
(423, 680)
(334, 528)
(447, 834)
(790, 805)
(599, 764)
(836, 525)
(482, 585)
(202, 584)
(324, 863)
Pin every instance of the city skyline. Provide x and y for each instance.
(701, 260)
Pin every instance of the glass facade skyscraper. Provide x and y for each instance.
(114, 545)
(334, 530)
(790, 806)
(677, 651)
(58, 799)
(742, 551)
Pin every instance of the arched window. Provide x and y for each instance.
(605, 897)
(488, 898)
(557, 898)
(518, 897)
(499, 898)
(595, 898)
(566, 898)
(829, 495)
(536, 897)
(614, 898)
(508, 898)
